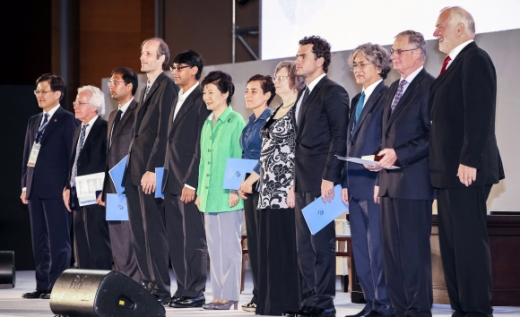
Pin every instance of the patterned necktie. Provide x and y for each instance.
(78, 150)
(299, 109)
(398, 94)
(42, 127)
(359, 108)
(146, 90)
(445, 64)
(117, 119)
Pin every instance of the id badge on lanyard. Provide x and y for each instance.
(34, 154)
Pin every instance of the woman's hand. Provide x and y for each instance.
(245, 188)
(290, 198)
(233, 198)
(197, 202)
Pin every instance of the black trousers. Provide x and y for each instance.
(278, 278)
(91, 238)
(148, 233)
(252, 222)
(316, 257)
(50, 235)
(188, 247)
(406, 226)
(123, 253)
(465, 253)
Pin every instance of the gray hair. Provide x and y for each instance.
(375, 55)
(417, 39)
(458, 14)
(97, 98)
(295, 81)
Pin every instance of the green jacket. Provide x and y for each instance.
(217, 144)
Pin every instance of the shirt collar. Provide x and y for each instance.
(315, 82)
(124, 107)
(454, 52)
(52, 111)
(188, 92)
(370, 89)
(91, 122)
(265, 114)
(412, 75)
(223, 117)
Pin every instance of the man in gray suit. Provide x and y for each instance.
(123, 85)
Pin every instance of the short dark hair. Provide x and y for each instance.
(222, 80)
(191, 58)
(56, 82)
(320, 48)
(267, 85)
(161, 50)
(129, 76)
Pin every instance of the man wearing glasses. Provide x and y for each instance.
(147, 151)
(184, 222)
(45, 169)
(405, 193)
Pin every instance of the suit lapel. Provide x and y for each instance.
(54, 121)
(410, 91)
(124, 119)
(188, 103)
(94, 131)
(304, 107)
(369, 106)
(451, 68)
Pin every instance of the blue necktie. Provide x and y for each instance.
(41, 129)
(359, 108)
(78, 150)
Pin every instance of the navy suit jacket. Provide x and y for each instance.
(365, 139)
(407, 131)
(48, 177)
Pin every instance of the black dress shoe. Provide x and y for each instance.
(304, 311)
(189, 302)
(320, 312)
(175, 299)
(163, 299)
(374, 313)
(36, 294)
(46, 295)
(360, 314)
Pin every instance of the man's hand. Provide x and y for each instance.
(99, 200)
(233, 198)
(389, 158)
(23, 198)
(66, 198)
(290, 198)
(148, 183)
(327, 191)
(377, 199)
(197, 202)
(467, 175)
(373, 168)
(188, 195)
(344, 195)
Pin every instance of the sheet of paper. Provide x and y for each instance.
(159, 174)
(88, 187)
(116, 208)
(363, 161)
(116, 174)
(236, 170)
(318, 215)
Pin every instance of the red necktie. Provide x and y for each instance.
(445, 64)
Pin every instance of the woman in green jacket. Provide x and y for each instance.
(223, 209)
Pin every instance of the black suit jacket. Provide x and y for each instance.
(121, 138)
(47, 178)
(407, 131)
(463, 106)
(365, 139)
(92, 157)
(148, 148)
(320, 136)
(181, 165)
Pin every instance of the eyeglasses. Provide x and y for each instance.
(43, 92)
(178, 68)
(79, 103)
(279, 77)
(360, 66)
(114, 82)
(400, 51)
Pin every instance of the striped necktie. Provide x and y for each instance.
(78, 150)
(42, 127)
(398, 94)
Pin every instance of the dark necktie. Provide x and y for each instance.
(42, 127)
(299, 110)
(359, 108)
(398, 94)
(78, 150)
(445, 64)
(146, 90)
(117, 119)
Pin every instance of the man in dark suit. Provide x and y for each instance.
(184, 221)
(370, 64)
(147, 151)
(123, 85)
(45, 169)
(406, 194)
(88, 156)
(321, 126)
(464, 161)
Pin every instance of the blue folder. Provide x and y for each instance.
(116, 208)
(318, 215)
(159, 173)
(116, 174)
(236, 170)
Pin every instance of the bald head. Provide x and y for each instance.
(454, 27)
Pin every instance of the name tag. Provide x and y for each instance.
(34, 154)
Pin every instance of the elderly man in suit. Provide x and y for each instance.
(122, 85)
(406, 194)
(370, 64)
(45, 169)
(184, 222)
(321, 116)
(147, 151)
(88, 156)
(464, 161)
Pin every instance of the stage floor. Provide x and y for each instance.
(12, 305)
